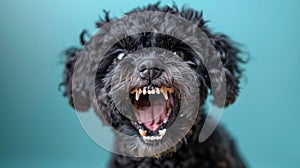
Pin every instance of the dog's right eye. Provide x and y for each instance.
(119, 57)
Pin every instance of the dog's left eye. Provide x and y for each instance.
(120, 56)
(180, 54)
(184, 57)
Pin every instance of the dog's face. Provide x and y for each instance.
(150, 86)
(147, 86)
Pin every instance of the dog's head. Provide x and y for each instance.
(148, 85)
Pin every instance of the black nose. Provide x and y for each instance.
(150, 73)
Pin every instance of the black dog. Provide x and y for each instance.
(150, 85)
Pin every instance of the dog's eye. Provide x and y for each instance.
(120, 56)
(180, 54)
(184, 56)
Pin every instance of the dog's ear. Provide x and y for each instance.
(71, 57)
(229, 56)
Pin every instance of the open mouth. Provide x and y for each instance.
(154, 111)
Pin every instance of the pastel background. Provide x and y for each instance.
(39, 129)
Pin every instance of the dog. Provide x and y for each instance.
(150, 85)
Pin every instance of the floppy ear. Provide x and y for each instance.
(228, 53)
(80, 97)
(71, 57)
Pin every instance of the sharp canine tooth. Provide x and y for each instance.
(140, 91)
(137, 95)
(165, 120)
(142, 133)
(162, 132)
(149, 92)
(144, 91)
(165, 93)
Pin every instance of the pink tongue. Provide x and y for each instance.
(152, 116)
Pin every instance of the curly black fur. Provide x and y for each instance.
(218, 150)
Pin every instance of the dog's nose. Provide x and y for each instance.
(149, 68)
(150, 73)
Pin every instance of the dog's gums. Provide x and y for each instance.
(153, 107)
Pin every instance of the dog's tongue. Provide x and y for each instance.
(152, 112)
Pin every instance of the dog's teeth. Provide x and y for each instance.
(152, 138)
(137, 95)
(169, 112)
(162, 132)
(149, 92)
(165, 120)
(157, 90)
(153, 91)
(165, 93)
(144, 91)
(142, 132)
(140, 91)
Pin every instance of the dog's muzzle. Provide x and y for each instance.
(153, 103)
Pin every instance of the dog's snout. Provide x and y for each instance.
(149, 69)
(150, 73)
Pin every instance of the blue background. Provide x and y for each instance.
(39, 129)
